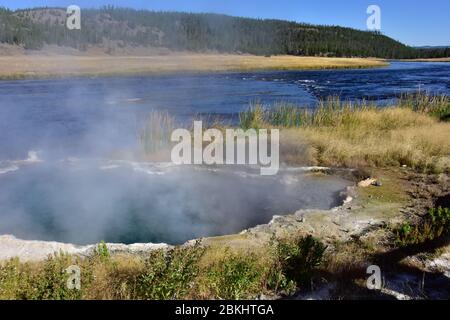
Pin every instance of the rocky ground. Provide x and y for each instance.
(33, 250)
(358, 234)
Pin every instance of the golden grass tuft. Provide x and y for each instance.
(385, 137)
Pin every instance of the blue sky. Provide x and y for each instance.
(414, 22)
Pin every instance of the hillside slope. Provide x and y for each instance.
(114, 28)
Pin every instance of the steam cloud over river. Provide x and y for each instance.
(83, 202)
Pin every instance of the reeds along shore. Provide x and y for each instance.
(411, 132)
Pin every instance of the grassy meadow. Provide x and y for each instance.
(55, 65)
(430, 60)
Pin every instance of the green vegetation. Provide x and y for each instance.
(334, 112)
(298, 258)
(436, 106)
(102, 252)
(119, 27)
(181, 273)
(253, 118)
(433, 226)
(235, 276)
(24, 281)
(169, 275)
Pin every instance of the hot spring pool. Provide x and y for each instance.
(84, 202)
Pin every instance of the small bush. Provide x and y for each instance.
(102, 252)
(52, 282)
(442, 113)
(15, 282)
(241, 276)
(433, 226)
(169, 274)
(299, 257)
(48, 282)
(235, 276)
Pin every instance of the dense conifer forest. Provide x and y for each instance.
(33, 28)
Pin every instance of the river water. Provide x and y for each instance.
(94, 116)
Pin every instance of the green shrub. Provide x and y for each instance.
(52, 281)
(433, 226)
(179, 273)
(236, 276)
(299, 257)
(442, 113)
(49, 282)
(102, 252)
(290, 263)
(15, 280)
(169, 274)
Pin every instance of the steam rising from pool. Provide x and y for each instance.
(86, 201)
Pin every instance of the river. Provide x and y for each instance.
(94, 116)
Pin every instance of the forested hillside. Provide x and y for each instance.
(34, 28)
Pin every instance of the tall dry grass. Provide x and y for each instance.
(413, 132)
(380, 138)
(436, 106)
(156, 132)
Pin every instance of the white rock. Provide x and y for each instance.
(33, 250)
